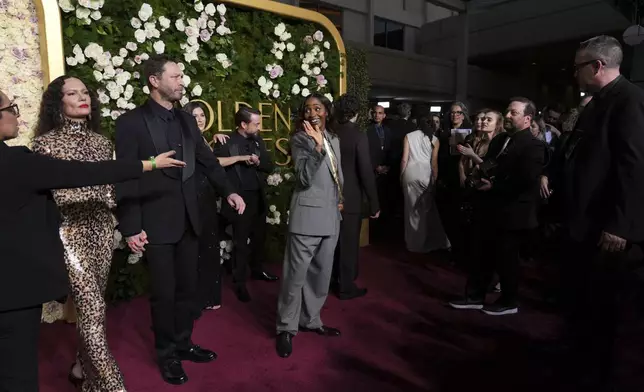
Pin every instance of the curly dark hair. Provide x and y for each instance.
(328, 107)
(51, 108)
(346, 108)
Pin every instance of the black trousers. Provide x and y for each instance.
(500, 254)
(345, 264)
(209, 285)
(19, 332)
(173, 284)
(602, 308)
(251, 224)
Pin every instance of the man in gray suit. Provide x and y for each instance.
(314, 226)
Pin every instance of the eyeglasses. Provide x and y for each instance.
(459, 112)
(12, 109)
(581, 65)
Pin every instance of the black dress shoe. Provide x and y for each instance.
(265, 276)
(242, 294)
(323, 331)
(197, 354)
(357, 293)
(172, 372)
(284, 344)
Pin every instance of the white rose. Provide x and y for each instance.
(77, 50)
(105, 112)
(159, 47)
(98, 76)
(272, 208)
(66, 6)
(131, 46)
(199, 7)
(146, 89)
(276, 93)
(329, 97)
(71, 61)
(164, 22)
(136, 23)
(122, 79)
(321, 56)
(192, 41)
(221, 9)
(221, 57)
(136, 75)
(261, 81)
(96, 15)
(304, 80)
(121, 103)
(145, 56)
(184, 101)
(316, 71)
(308, 72)
(222, 30)
(226, 63)
(296, 89)
(290, 47)
(279, 55)
(82, 13)
(285, 37)
(145, 12)
(122, 52)
(180, 25)
(189, 57)
(327, 45)
(265, 90)
(318, 36)
(118, 60)
(103, 98)
(129, 91)
(140, 35)
(212, 24)
(305, 67)
(130, 106)
(192, 22)
(306, 92)
(210, 9)
(115, 114)
(324, 65)
(181, 67)
(109, 72)
(269, 67)
(279, 29)
(192, 31)
(80, 57)
(186, 80)
(196, 91)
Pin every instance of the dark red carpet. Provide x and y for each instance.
(400, 337)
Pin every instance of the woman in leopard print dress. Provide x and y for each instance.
(67, 129)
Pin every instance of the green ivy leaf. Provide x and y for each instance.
(69, 31)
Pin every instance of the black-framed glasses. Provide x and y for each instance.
(13, 108)
(581, 65)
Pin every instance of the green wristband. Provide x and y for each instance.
(153, 162)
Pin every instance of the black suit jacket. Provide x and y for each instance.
(514, 197)
(399, 129)
(603, 175)
(359, 178)
(233, 172)
(380, 155)
(159, 201)
(33, 268)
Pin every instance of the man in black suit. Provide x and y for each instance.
(603, 192)
(359, 181)
(33, 270)
(510, 201)
(379, 137)
(160, 214)
(247, 162)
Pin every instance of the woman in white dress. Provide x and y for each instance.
(419, 168)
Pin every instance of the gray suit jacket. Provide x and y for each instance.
(314, 206)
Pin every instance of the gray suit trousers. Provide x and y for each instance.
(308, 263)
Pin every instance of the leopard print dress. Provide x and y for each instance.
(87, 233)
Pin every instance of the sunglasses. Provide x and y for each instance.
(12, 109)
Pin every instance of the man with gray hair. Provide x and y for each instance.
(603, 189)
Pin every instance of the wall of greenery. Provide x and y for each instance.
(229, 55)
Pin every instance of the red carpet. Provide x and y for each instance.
(400, 337)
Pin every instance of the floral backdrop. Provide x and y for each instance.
(21, 76)
(228, 54)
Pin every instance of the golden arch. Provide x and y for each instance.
(53, 56)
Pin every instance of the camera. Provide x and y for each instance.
(486, 170)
